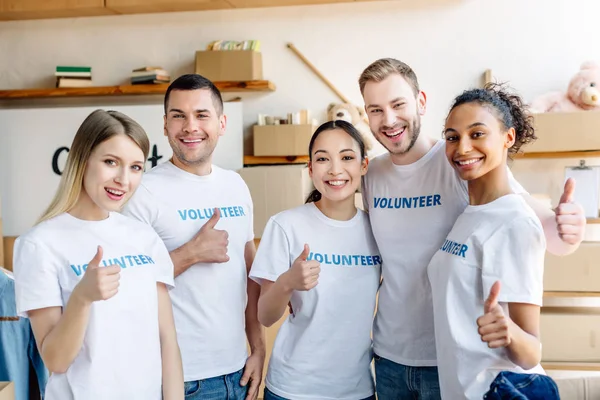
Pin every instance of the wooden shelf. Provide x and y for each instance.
(571, 366)
(571, 294)
(128, 90)
(560, 154)
(593, 220)
(274, 160)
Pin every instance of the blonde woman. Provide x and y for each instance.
(94, 282)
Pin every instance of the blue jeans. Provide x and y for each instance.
(396, 381)
(224, 387)
(268, 395)
(515, 386)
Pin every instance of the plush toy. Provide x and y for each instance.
(583, 93)
(352, 114)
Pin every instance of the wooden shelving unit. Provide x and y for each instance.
(560, 154)
(571, 294)
(270, 160)
(571, 366)
(128, 90)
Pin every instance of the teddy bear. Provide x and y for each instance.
(583, 93)
(352, 114)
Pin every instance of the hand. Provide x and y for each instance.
(209, 245)
(570, 217)
(303, 275)
(98, 283)
(253, 372)
(494, 325)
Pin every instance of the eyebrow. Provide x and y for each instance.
(119, 158)
(397, 99)
(468, 127)
(176, 110)
(341, 151)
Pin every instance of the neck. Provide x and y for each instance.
(420, 148)
(489, 187)
(87, 210)
(201, 169)
(343, 210)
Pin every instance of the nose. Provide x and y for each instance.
(335, 167)
(190, 125)
(122, 178)
(389, 118)
(464, 146)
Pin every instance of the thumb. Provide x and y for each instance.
(492, 300)
(569, 191)
(245, 377)
(94, 263)
(304, 255)
(212, 222)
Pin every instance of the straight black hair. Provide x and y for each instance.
(195, 82)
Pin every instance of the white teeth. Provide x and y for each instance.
(115, 192)
(192, 141)
(394, 133)
(468, 162)
(336, 183)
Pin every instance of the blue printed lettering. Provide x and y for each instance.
(129, 260)
(182, 214)
(454, 248)
(408, 202)
(346, 260)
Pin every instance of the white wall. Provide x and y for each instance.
(535, 44)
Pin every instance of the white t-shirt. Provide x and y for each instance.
(412, 208)
(323, 350)
(502, 240)
(120, 357)
(209, 300)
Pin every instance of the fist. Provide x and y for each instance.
(98, 283)
(303, 275)
(494, 324)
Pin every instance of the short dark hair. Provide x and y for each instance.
(347, 127)
(195, 82)
(509, 108)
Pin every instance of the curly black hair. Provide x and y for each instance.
(509, 109)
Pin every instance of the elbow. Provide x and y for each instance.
(56, 366)
(264, 321)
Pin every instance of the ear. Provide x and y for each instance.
(365, 166)
(330, 106)
(422, 103)
(310, 171)
(222, 124)
(165, 125)
(511, 136)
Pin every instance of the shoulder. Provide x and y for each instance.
(291, 217)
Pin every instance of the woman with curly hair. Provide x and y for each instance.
(482, 328)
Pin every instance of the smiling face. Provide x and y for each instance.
(113, 173)
(336, 166)
(193, 126)
(476, 140)
(394, 113)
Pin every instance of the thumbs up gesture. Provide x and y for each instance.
(209, 245)
(303, 275)
(570, 217)
(494, 325)
(98, 283)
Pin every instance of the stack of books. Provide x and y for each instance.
(149, 75)
(73, 76)
(233, 45)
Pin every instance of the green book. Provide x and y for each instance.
(61, 68)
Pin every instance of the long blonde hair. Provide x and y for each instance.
(98, 127)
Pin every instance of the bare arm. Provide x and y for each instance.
(253, 371)
(59, 335)
(59, 332)
(524, 324)
(518, 331)
(275, 296)
(172, 369)
(209, 245)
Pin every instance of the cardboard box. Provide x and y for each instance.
(570, 336)
(576, 272)
(2, 261)
(7, 391)
(275, 188)
(282, 140)
(229, 65)
(572, 131)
